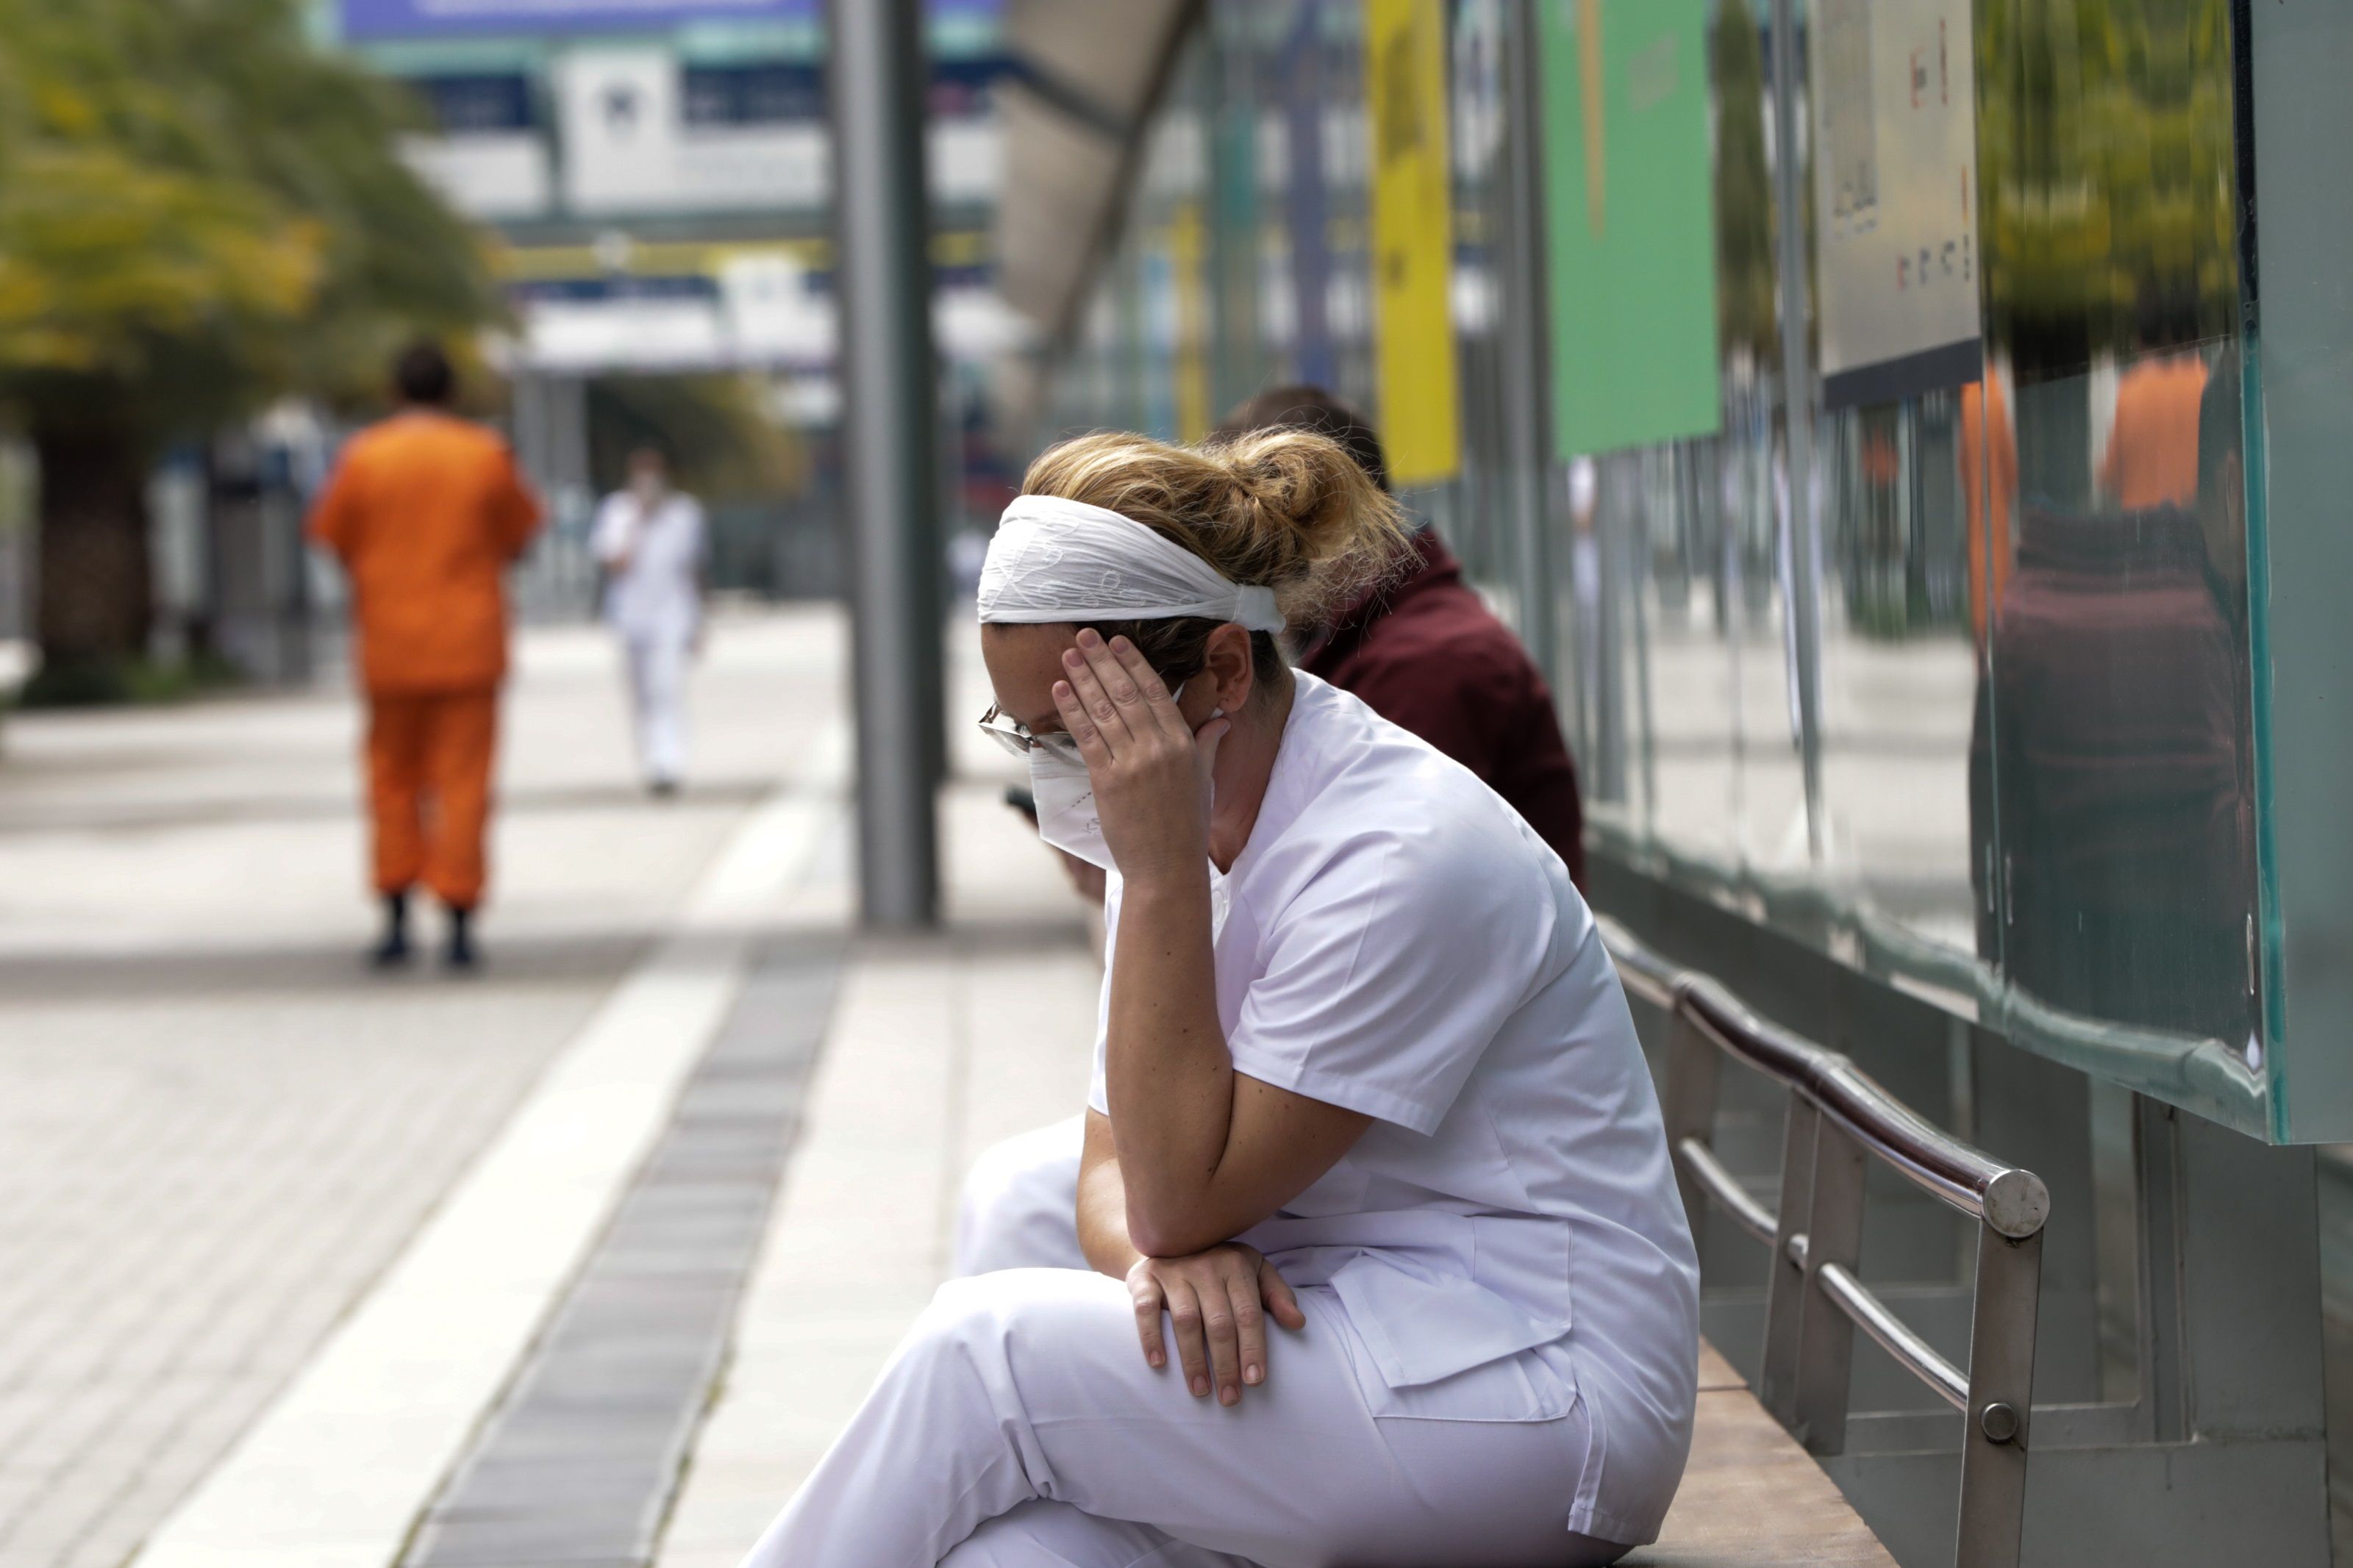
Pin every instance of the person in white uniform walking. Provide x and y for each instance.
(1387, 1263)
(650, 540)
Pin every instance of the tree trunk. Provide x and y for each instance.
(94, 584)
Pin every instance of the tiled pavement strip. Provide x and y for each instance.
(578, 1464)
(936, 1048)
(215, 1130)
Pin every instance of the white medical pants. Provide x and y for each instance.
(1019, 1425)
(658, 667)
(1018, 1206)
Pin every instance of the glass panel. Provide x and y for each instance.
(1945, 669)
(1962, 695)
(1899, 665)
(2118, 717)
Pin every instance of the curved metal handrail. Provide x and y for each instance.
(1838, 1118)
(2014, 1201)
(1893, 1335)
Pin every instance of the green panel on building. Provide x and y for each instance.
(1629, 194)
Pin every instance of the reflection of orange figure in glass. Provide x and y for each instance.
(1881, 467)
(1988, 488)
(2152, 457)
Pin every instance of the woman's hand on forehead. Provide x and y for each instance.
(1150, 770)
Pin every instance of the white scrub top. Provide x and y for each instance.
(657, 594)
(1506, 1236)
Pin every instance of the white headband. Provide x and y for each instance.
(1055, 560)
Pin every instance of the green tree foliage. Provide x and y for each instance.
(199, 212)
(2104, 154)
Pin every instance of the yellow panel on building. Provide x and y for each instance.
(1413, 238)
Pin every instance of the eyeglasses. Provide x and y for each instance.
(1015, 737)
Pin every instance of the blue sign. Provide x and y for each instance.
(366, 19)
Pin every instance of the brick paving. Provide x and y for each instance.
(216, 1131)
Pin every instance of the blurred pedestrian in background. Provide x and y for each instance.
(650, 544)
(426, 510)
(1427, 655)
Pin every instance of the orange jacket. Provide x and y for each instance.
(425, 510)
(2153, 446)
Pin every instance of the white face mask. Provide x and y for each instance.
(1066, 804)
(1066, 808)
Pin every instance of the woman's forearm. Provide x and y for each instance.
(1102, 1217)
(1168, 1075)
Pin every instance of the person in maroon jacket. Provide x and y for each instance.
(1425, 653)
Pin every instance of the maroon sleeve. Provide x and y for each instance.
(1434, 697)
(1540, 781)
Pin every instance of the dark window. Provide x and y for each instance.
(960, 88)
(477, 105)
(752, 95)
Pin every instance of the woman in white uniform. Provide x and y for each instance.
(1389, 1264)
(650, 542)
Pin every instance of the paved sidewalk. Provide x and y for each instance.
(216, 1129)
(937, 1048)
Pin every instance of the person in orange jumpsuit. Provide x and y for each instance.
(425, 510)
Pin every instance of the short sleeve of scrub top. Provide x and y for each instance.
(1368, 966)
(1378, 992)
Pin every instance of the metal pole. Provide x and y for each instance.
(2001, 1400)
(1527, 353)
(890, 447)
(1826, 1334)
(1798, 406)
(1784, 1294)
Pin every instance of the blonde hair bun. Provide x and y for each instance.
(1286, 509)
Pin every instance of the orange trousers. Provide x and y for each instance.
(428, 756)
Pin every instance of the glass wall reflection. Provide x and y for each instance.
(2116, 733)
(1890, 562)
(1965, 696)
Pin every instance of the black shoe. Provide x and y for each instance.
(460, 953)
(391, 951)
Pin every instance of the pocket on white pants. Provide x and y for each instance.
(1446, 1350)
(1517, 1387)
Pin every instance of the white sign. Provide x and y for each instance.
(502, 175)
(1895, 197)
(626, 148)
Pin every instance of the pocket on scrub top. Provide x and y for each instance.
(1446, 1349)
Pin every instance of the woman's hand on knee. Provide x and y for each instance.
(1217, 1301)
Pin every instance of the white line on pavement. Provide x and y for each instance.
(336, 1472)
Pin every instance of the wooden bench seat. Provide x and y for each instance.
(1751, 1497)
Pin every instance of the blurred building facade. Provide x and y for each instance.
(1901, 524)
(654, 179)
(658, 175)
